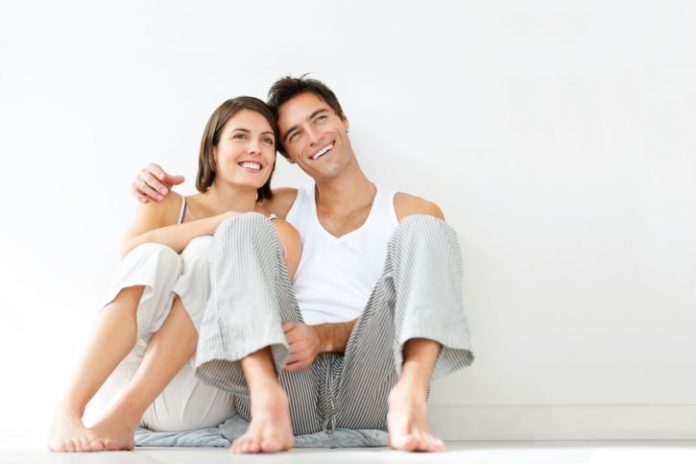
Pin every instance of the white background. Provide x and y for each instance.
(558, 138)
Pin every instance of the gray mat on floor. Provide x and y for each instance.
(224, 434)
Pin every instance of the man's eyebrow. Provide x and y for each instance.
(311, 116)
(317, 112)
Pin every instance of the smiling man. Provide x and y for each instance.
(375, 311)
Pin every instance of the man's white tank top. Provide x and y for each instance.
(336, 275)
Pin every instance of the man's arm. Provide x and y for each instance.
(309, 341)
(152, 183)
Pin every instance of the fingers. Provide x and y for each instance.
(174, 179)
(157, 171)
(288, 326)
(144, 190)
(169, 179)
(148, 178)
(136, 193)
(296, 366)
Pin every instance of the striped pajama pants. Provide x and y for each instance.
(419, 295)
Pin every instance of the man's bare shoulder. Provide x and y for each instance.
(406, 204)
(282, 201)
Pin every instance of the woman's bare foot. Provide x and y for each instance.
(406, 421)
(113, 433)
(270, 430)
(69, 433)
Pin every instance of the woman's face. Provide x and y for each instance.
(246, 151)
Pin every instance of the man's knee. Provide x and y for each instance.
(423, 227)
(245, 226)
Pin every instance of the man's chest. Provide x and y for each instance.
(342, 224)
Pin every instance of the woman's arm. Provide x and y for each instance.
(156, 222)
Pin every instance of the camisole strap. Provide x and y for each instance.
(182, 213)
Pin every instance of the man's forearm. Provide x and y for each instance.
(333, 338)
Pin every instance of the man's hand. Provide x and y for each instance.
(152, 183)
(304, 345)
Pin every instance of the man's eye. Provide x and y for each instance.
(320, 118)
(293, 137)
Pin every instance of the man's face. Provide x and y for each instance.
(314, 136)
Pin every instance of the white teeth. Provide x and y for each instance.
(322, 152)
(250, 165)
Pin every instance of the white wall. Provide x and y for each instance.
(557, 137)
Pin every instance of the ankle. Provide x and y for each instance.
(70, 409)
(406, 389)
(120, 414)
(269, 397)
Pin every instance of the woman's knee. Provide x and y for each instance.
(160, 258)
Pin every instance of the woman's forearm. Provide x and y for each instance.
(176, 236)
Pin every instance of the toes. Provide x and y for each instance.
(254, 447)
(405, 442)
(85, 444)
(239, 445)
(109, 445)
(270, 445)
(439, 445)
(96, 445)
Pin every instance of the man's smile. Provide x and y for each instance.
(322, 152)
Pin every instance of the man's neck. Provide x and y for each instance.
(344, 193)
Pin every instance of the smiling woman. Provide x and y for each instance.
(147, 333)
(222, 137)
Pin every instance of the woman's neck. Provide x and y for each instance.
(222, 197)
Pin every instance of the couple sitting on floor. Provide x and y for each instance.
(299, 310)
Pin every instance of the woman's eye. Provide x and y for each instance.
(268, 140)
(239, 136)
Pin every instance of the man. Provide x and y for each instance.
(378, 294)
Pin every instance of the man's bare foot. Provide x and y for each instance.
(270, 430)
(113, 433)
(69, 433)
(406, 421)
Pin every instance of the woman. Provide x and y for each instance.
(146, 335)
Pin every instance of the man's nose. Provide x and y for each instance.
(313, 134)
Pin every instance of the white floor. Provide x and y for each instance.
(652, 452)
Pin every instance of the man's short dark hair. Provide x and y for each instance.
(289, 87)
